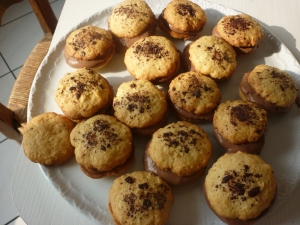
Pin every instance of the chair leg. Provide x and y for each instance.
(7, 124)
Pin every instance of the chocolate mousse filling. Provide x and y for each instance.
(167, 175)
(249, 93)
(122, 44)
(250, 147)
(96, 174)
(77, 63)
(239, 49)
(188, 116)
(148, 131)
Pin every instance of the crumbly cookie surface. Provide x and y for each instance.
(240, 121)
(101, 143)
(139, 104)
(184, 17)
(140, 198)
(153, 58)
(240, 30)
(82, 93)
(274, 85)
(194, 92)
(89, 43)
(46, 139)
(213, 56)
(240, 185)
(130, 18)
(181, 147)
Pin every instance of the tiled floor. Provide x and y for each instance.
(19, 33)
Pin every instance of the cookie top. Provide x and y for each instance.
(184, 17)
(194, 92)
(140, 198)
(240, 121)
(274, 85)
(181, 147)
(153, 58)
(130, 18)
(81, 93)
(46, 139)
(213, 56)
(240, 185)
(139, 104)
(240, 30)
(89, 43)
(101, 143)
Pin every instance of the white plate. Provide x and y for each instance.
(91, 196)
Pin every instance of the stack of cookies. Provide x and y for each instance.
(101, 122)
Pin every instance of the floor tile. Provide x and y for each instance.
(6, 84)
(15, 11)
(9, 151)
(3, 67)
(17, 39)
(57, 7)
(17, 71)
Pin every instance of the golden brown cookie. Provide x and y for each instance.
(90, 47)
(129, 21)
(178, 152)
(194, 96)
(141, 106)
(211, 56)
(240, 126)
(46, 139)
(153, 58)
(140, 198)
(269, 87)
(83, 93)
(182, 19)
(239, 187)
(241, 31)
(103, 146)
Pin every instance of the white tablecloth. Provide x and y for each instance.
(37, 200)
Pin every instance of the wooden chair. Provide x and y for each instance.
(15, 114)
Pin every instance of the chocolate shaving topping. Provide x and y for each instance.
(130, 180)
(235, 24)
(243, 113)
(240, 183)
(148, 197)
(186, 10)
(254, 191)
(150, 50)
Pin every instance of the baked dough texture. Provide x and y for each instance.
(240, 121)
(101, 143)
(82, 93)
(274, 85)
(240, 185)
(182, 148)
(194, 93)
(213, 56)
(130, 18)
(46, 139)
(140, 198)
(139, 104)
(153, 58)
(240, 30)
